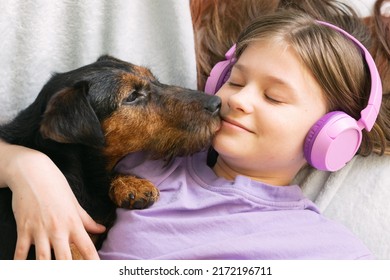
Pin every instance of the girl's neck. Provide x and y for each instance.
(224, 170)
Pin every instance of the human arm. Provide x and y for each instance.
(46, 211)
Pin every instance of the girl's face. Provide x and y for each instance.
(269, 104)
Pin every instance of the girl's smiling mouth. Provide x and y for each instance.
(231, 123)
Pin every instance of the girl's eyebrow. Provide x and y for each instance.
(270, 78)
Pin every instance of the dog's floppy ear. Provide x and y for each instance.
(107, 57)
(69, 118)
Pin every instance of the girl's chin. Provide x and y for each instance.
(226, 146)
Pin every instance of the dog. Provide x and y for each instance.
(87, 119)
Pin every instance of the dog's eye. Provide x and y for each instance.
(134, 97)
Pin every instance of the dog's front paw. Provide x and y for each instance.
(130, 192)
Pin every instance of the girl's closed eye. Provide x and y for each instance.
(272, 99)
(235, 83)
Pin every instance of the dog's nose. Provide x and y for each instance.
(213, 104)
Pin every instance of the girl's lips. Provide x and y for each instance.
(234, 124)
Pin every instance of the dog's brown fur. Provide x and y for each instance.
(87, 119)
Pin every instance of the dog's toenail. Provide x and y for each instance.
(139, 204)
(125, 204)
(149, 203)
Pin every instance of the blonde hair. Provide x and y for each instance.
(335, 62)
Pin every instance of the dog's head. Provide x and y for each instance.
(122, 108)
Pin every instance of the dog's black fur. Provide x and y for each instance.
(74, 121)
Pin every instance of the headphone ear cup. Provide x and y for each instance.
(332, 141)
(218, 76)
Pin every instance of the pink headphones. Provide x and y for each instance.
(335, 138)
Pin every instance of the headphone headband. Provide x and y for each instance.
(220, 72)
(371, 111)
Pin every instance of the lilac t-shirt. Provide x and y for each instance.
(202, 216)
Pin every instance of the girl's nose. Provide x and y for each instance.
(241, 101)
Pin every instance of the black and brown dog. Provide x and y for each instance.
(87, 119)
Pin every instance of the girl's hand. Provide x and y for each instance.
(46, 211)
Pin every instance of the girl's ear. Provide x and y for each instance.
(69, 118)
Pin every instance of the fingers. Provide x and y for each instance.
(89, 224)
(83, 245)
(62, 250)
(42, 249)
(83, 242)
(86, 249)
(67, 245)
(57, 239)
(89, 253)
(22, 248)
